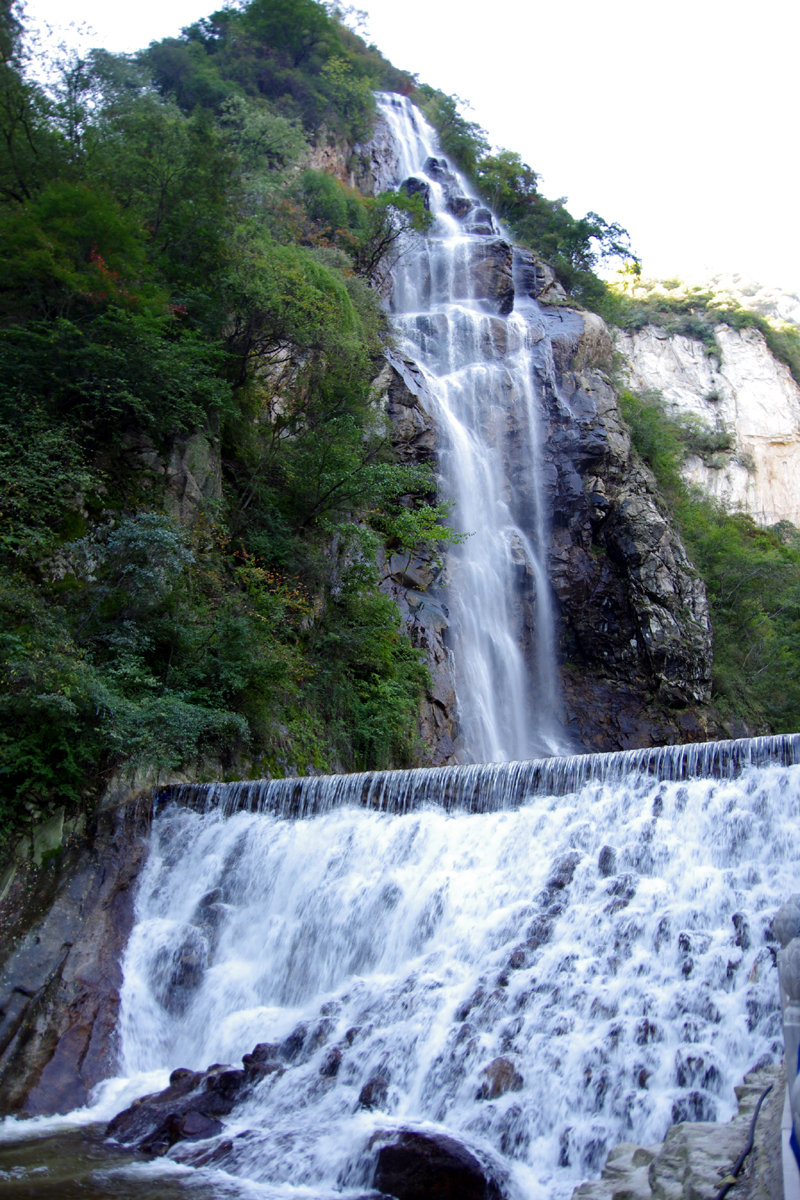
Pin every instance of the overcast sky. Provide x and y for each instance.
(679, 120)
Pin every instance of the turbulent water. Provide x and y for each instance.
(482, 368)
(612, 944)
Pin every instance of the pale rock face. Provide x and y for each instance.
(746, 390)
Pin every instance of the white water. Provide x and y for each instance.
(399, 943)
(480, 372)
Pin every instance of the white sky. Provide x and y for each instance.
(677, 120)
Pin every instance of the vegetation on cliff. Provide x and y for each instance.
(695, 312)
(195, 480)
(752, 576)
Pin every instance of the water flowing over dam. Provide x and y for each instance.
(539, 981)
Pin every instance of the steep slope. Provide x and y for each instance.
(745, 398)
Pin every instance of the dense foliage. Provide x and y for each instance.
(186, 304)
(752, 576)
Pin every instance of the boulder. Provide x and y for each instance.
(498, 1077)
(189, 1109)
(413, 1165)
(489, 274)
(414, 186)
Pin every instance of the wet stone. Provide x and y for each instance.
(539, 932)
(742, 928)
(374, 1092)
(419, 1166)
(497, 1078)
(647, 1031)
(331, 1063)
(291, 1046)
(414, 186)
(459, 206)
(261, 1055)
(694, 1107)
(563, 870)
(607, 861)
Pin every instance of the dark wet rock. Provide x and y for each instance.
(622, 889)
(607, 861)
(480, 221)
(413, 1165)
(331, 1063)
(539, 932)
(418, 187)
(438, 169)
(536, 279)
(209, 916)
(191, 1108)
(154, 1120)
(742, 927)
(694, 1107)
(497, 1078)
(60, 976)
(374, 1092)
(476, 999)
(520, 957)
(647, 1031)
(563, 870)
(291, 1047)
(694, 1069)
(177, 972)
(262, 1053)
(489, 277)
(459, 206)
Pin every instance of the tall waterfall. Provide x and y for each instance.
(539, 981)
(537, 960)
(479, 347)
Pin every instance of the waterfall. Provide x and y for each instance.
(536, 958)
(540, 979)
(481, 346)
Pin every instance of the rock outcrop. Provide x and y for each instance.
(415, 581)
(412, 1165)
(634, 627)
(695, 1158)
(633, 615)
(744, 396)
(64, 927)
(406, 1164)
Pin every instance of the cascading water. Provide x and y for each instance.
(452, 299)
(538, 960)
(540, 982)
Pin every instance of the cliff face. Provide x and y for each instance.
(635, 633)
(63, 928)
(635, 642)
(741, 391)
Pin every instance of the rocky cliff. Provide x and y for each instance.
(63, 929)
(744, 396)
(634, 633)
